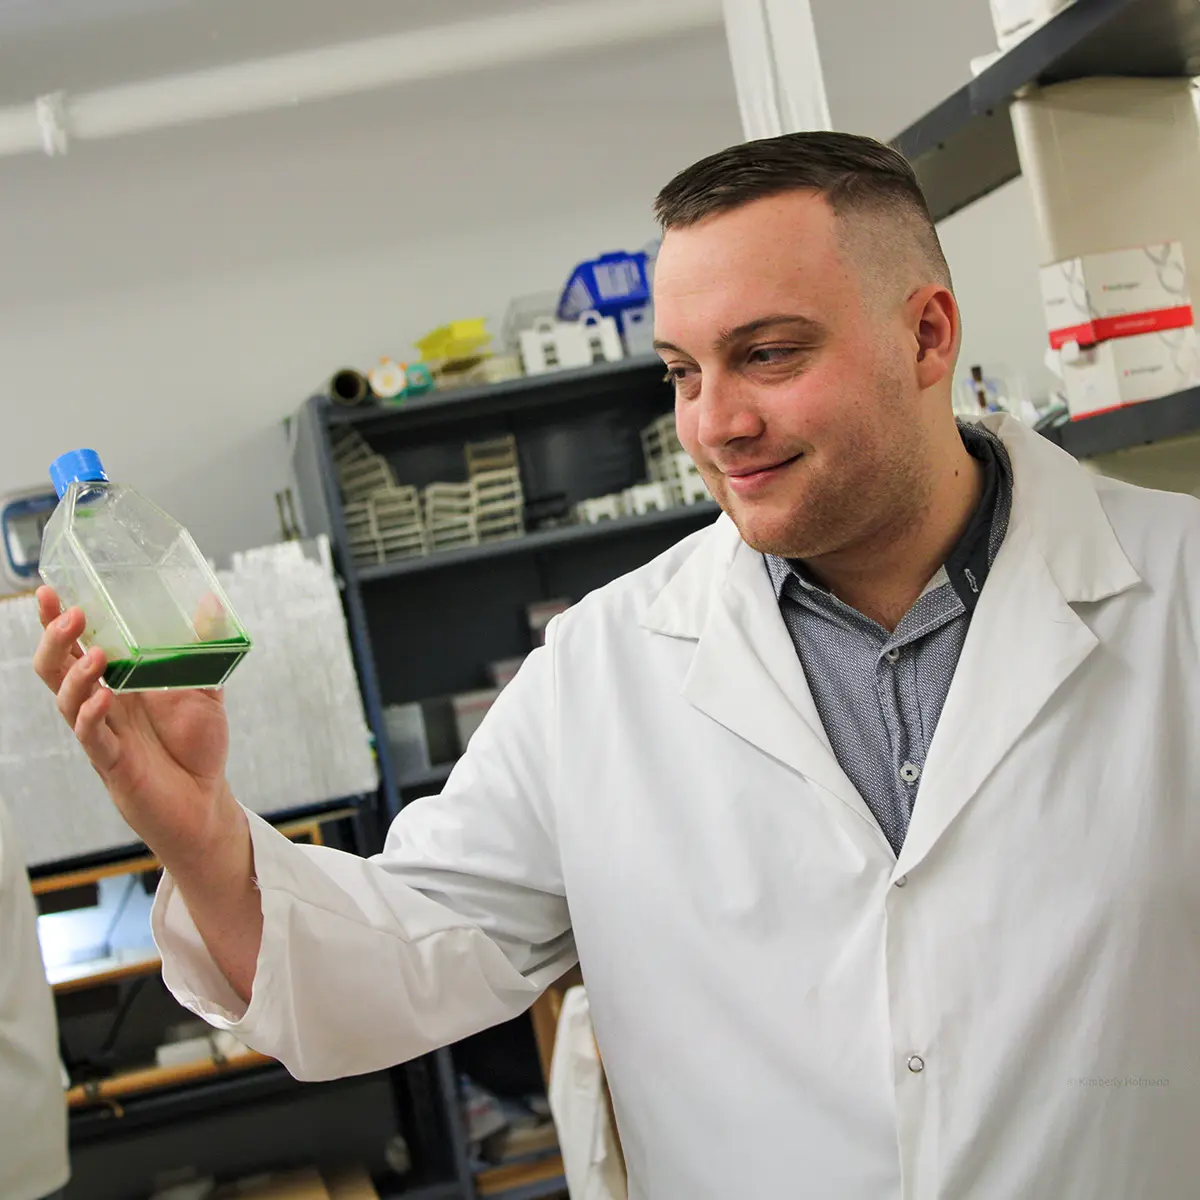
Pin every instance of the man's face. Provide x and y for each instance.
(795, 391)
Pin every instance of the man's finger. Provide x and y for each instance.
(49, 605)
(101, 744)
(79, 684)
(59, 647)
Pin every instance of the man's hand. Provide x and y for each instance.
(162, 756)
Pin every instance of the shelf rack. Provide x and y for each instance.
(964, 148)
(426, 627)
(541, 540)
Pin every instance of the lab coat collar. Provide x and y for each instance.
(746, 675)
(1026, 637)
(1060, 549)
(1054, 498)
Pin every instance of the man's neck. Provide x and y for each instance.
(883, 576)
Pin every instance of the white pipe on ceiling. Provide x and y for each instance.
(50, 122)
(776, 66)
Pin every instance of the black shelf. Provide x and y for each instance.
(571, 387)
(1135, 425)
(182, 1102)
(964, 148)
(546, 539)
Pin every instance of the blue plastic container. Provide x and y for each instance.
(608, 285)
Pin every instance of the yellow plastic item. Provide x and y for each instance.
(459, 339)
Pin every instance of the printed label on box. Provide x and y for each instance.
(1129, 370)
(1119, 294)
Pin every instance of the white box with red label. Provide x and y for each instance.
(1121, 293)
(1128, 370)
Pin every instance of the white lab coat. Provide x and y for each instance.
(579, 1104)
(33, 1113)
(1012, 1009)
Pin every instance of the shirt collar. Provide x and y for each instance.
(968, 563)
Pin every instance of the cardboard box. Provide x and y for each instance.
(1120, 293)
(1017, 19)
(1112, 162)
(1129, 370)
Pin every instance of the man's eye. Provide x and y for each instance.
(766, 355)
(676, 375)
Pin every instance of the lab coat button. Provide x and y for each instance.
(902, 881)
(910, 772)
(916, 1064)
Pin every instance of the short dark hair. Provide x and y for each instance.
(854, 174)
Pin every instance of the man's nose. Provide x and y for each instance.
(727, 414)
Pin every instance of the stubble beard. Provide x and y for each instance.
(873, 491)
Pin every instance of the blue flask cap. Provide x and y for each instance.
(76, 466)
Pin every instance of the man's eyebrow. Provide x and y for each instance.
(808, 325)
(727, 337)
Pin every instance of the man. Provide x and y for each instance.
(870, 812)
(33, 1113)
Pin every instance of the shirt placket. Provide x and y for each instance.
(895, 685)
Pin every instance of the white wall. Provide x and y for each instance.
(169, 298)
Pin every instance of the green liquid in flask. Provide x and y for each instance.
(206, 665)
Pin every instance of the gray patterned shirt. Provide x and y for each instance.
(879, 694)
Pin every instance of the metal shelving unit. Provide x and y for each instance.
(557, 389)
(1141, 424)
(425, 627)
(563, 412)
(964, 149)
(546, 539)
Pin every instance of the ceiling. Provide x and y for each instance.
(354, 176)
(82, 45)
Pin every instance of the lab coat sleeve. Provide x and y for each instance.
(458, 925)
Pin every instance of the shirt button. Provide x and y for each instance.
(916, 1064)
(902, 881)
(910, 772)
(892, 655)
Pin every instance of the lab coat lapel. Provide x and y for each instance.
(1024, 642)
(746, 675)
(1026, 639)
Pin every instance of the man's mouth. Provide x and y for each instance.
(749, 479)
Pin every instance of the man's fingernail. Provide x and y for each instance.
(64, 622)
